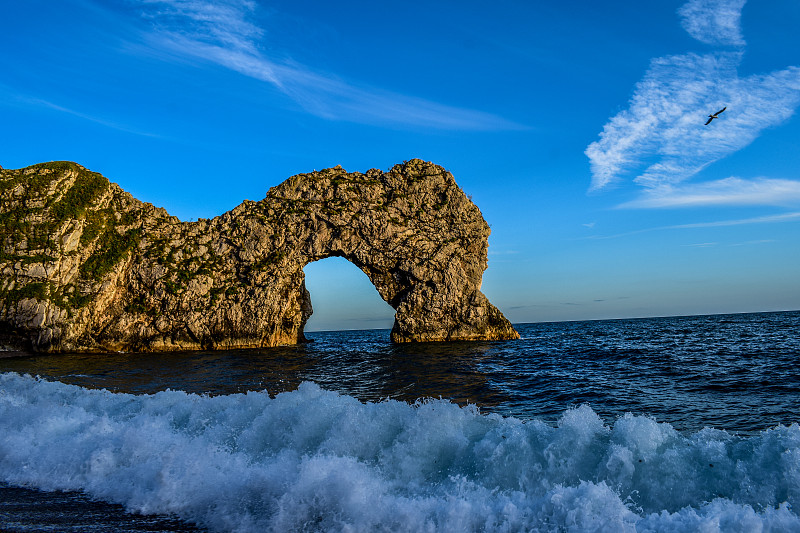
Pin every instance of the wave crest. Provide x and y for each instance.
(317, 460)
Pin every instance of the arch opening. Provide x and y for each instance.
(344, 298)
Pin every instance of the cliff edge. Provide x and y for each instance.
(86, 267)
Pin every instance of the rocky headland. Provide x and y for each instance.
(86, 267)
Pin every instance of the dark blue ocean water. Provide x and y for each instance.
(580, 426)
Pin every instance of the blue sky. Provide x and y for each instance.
(577, 128)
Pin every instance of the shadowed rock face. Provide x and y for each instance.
(87, 267)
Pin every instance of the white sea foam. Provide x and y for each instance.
(313, 460)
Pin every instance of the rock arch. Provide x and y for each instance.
(343, 297)
(107, 272)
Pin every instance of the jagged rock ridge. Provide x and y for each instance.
(87, 267)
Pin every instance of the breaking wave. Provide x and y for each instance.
(314, 460)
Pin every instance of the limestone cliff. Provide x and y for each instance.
(87, 267)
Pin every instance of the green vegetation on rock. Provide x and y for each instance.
(112, 247)
(87, 267)
(87, 186)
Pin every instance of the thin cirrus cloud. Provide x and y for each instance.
(221, 32)
(728, 191)
(661, 138)
(767, 219)
(715, 22)
(11, 97)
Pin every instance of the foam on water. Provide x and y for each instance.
(315, 460)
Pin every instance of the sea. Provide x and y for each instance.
(656, 424)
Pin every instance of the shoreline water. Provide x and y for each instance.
(10, 353)
(713, 436)
(7, 353)
(315, 457)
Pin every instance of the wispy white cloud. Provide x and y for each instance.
(729, 191)
(751, 243)
(665, 120)
(716, 22)
(661, 138)
(222, 22)
(222, 33)
(10, 97)
(769, 219)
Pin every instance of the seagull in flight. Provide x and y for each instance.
(715, 115)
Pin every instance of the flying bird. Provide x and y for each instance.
(715, 115)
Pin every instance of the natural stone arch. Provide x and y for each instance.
(118, 274)
(414, 233)
(343, 297)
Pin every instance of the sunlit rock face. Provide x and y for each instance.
(87, 267)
